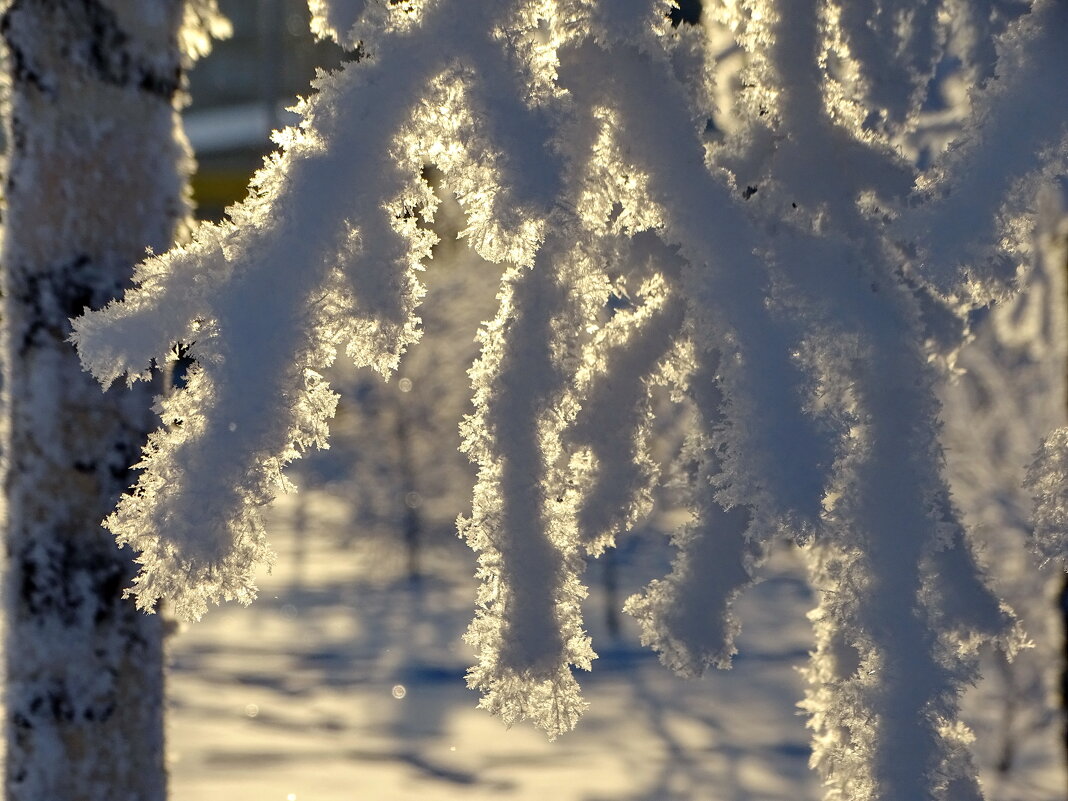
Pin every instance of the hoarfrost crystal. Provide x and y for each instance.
(784, 265)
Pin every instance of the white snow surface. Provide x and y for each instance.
(295, 696)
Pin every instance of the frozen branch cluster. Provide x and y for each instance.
(773, 259)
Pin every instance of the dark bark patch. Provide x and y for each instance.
(96, 41)
(20, 721)
(685, 11)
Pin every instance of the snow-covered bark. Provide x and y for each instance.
(789, 275)
(95, 173)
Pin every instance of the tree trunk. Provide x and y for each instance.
(1062, 603)
(1062, 595)
(96, 173)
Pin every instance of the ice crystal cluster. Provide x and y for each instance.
(733, 177)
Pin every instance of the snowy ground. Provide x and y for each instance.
(344, 681)
(298, 695)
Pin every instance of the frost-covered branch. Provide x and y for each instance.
(528, 635)
(687, 616)
(792, 273)
(267, 296)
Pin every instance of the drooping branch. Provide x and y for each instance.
(528, 627)
(784, 305)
